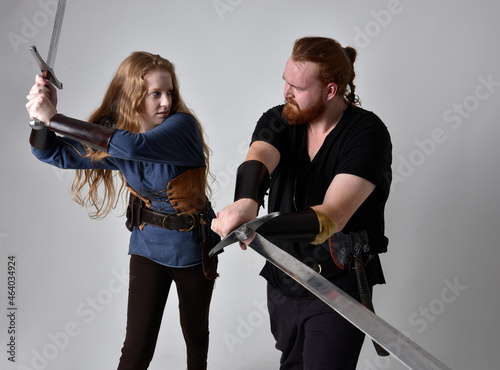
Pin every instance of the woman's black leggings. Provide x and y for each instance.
(148, 291)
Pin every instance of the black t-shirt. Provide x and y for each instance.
(359, 145)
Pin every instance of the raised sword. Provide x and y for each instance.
(46, 66)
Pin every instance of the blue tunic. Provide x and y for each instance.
(148, 162)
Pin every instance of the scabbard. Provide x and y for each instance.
(209, 263)
(365, 296)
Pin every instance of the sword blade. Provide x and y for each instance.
(56, 32)
(405, 350)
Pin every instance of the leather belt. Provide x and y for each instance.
(183, 222)
(139, 215)
(320, 266)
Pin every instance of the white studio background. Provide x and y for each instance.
(429, 69)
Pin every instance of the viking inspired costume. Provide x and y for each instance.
(168, 216)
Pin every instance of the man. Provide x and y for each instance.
(326, 163)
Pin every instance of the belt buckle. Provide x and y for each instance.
(163, 221)
(192, 226)
(182, 230)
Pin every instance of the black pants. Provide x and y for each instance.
(148, 291)
(311, 335)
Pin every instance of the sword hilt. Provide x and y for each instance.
(48, 74)
(44, 67)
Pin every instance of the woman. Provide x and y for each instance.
(144, 133)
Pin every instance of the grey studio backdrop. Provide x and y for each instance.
(429, 69)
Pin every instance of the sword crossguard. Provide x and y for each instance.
(46, 70)
(242, 232)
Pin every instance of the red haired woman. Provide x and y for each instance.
(144, 133)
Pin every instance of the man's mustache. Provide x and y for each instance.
(292, 102)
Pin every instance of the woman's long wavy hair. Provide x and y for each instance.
(121, 107)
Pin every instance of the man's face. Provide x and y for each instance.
(303, 93)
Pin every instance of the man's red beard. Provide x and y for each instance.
(296, 116)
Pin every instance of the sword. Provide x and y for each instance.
(46, 67)
(389, 338)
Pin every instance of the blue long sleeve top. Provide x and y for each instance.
(148, 162)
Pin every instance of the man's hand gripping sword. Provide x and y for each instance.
(242, 233)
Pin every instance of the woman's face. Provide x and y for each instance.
(155, 107)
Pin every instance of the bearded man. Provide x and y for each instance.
(326, 163)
